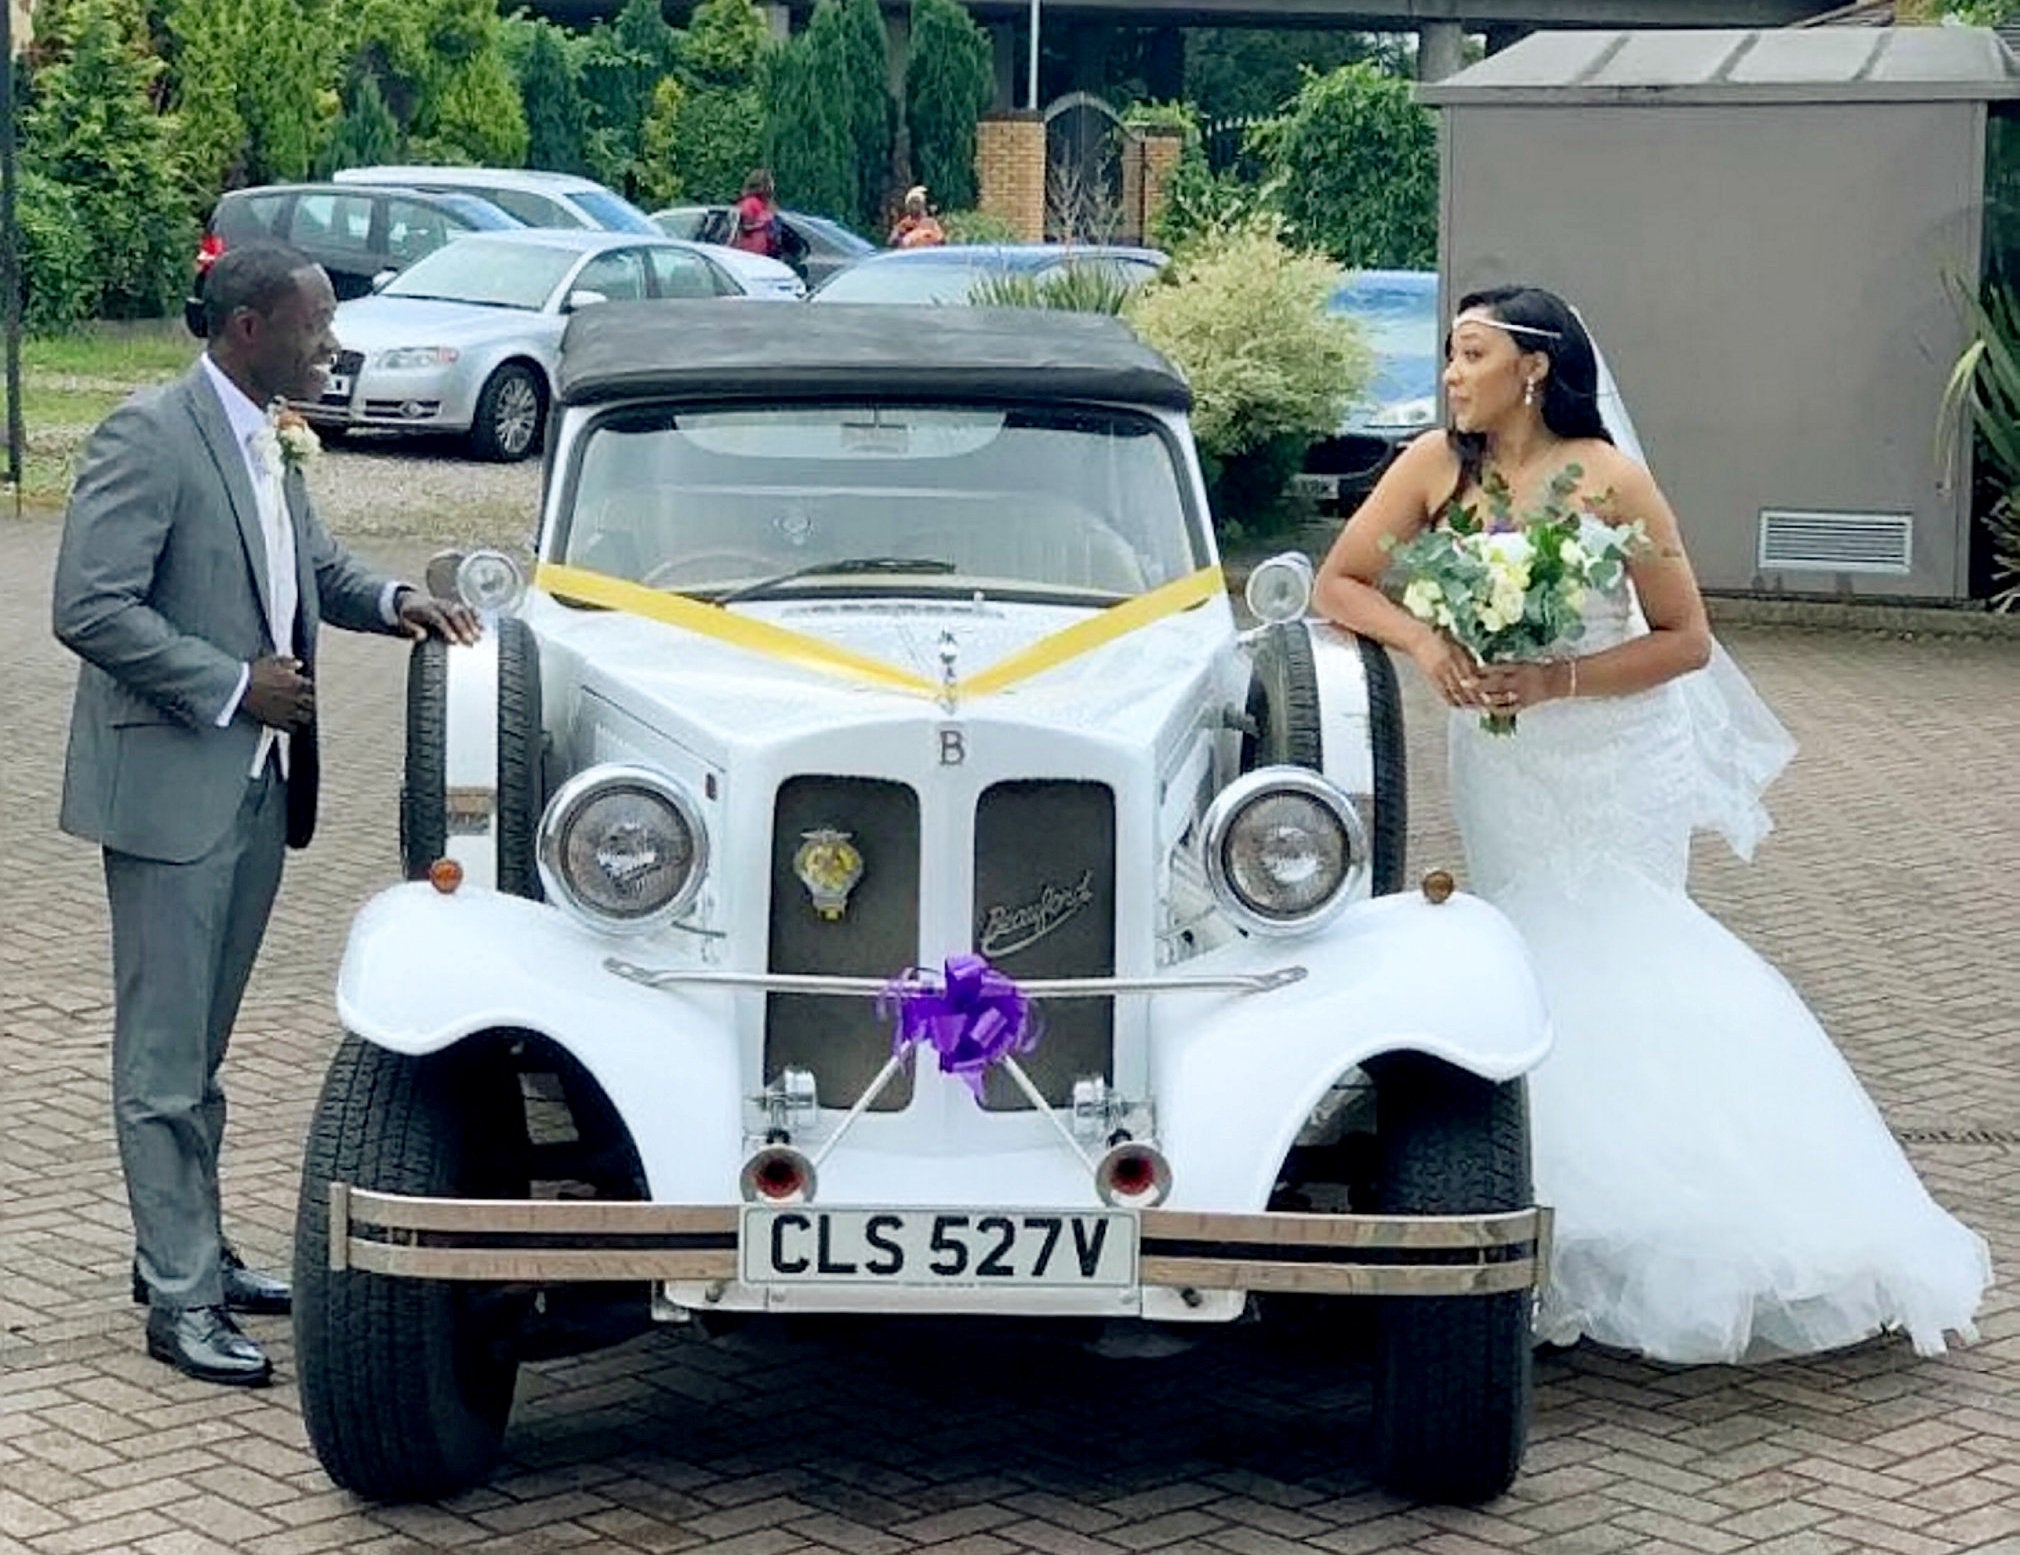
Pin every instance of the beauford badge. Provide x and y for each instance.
(829, 867)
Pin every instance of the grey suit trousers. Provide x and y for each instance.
(184, 937)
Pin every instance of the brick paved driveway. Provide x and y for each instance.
(1888, 897)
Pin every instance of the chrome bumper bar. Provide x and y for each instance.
(547, 1241)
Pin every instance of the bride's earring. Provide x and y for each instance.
(1529, 392)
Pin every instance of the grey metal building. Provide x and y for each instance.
(1765, 230)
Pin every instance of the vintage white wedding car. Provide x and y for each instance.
(869, 870)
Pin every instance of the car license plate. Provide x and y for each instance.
(337, 388)
(1321, 488)
(1080, 1250)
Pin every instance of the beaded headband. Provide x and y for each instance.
(1513, 329)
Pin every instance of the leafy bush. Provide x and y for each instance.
(477, 111)
(949, 81)
(658, 172)
(622, 63)
(58, 285)
(367, 135)
(1985, 387)
(93, 134)
(1075, 288)
(1244, 316)
(977, 227)
(1199, 202)
(1355, 164)
(246, 80)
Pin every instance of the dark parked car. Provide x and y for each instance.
(949, 274)
(815, 246)
(1398, 314)
(356, 234)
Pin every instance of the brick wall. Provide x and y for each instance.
(1161, 151)
(1010, 169)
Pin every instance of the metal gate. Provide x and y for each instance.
(1086, 143)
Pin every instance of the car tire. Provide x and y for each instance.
(424, 804)
(511, 414)
(406, 1384)
(1283, 701)
(1453, 1374)
(522, 786)
(1391, 840)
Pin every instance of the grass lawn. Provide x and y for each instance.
(69, 382)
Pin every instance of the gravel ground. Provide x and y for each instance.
(378, 487)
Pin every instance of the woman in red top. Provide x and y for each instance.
(757, 216)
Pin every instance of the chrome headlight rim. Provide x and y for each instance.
(491, 582)
(1291, 577)
(1228, 806)
(561, 810)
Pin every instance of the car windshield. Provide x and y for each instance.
(1399, 322)
(1048, 502)
(478, 212)
(611, 212)
(490, 272)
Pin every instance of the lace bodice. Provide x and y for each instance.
(1586, 787)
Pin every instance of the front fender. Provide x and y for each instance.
(1236, 1079)
(422, 970)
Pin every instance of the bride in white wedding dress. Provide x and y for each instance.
(1724, 1189)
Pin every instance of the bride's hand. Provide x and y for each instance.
(1450, 669)
(1509, 688)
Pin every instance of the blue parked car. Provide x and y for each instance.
(1398, 314)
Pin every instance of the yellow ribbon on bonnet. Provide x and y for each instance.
(808, 652)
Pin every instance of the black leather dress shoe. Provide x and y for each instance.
(245, 1290)
(204, 1343)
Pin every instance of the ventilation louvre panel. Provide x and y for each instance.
(1836, 542)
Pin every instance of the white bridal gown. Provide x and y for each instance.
(1724, 1188)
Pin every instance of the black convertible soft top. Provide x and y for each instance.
(720, 350)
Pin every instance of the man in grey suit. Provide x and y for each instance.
(192, 579)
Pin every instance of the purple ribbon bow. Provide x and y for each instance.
(976, 1017)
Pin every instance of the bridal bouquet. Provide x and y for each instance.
(1508, 587)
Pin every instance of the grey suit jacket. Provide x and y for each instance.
(159, 584)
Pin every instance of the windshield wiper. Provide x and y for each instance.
(850, 566)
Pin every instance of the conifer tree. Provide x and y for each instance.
(553, 103)
(949, 81)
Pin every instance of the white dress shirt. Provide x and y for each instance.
(258, 445)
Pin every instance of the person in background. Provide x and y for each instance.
(917, 228)
(757, 216)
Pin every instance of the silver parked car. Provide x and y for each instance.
(467, 339)
(536, 197)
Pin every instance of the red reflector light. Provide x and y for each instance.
(207, 251)
(1133, 1176)
(778, 1174)
(779, 1178)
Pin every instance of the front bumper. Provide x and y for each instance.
(545, 1241)
(410, 400)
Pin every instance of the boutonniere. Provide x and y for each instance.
(298, 440)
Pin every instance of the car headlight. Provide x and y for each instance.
(1284, 849)
(409, 357)
(1405, 413)
(622, 848)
